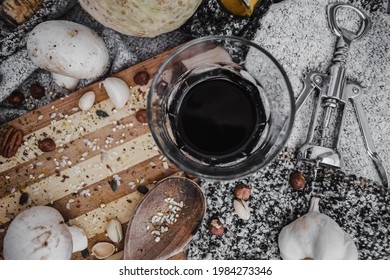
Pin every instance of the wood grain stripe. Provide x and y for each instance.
(69, 128)
(52, 189)
(99, 193)
(53, 163)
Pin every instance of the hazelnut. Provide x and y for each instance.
(216, 227)
(46, 145)
(242, 191)
(37, 91)
(16, 98)
(297, 180)
(141, 78)
(141, 116)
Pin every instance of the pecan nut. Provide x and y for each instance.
(12, 140)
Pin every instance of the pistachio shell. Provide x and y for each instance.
(114, 231)
(242, 209)
(103, 250)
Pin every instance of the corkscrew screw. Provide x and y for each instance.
(332, 93)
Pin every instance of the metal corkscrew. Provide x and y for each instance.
(333, 91)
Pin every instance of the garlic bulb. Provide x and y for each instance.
(316, 236)
(118, 91)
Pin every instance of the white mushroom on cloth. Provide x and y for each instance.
(69, 50)
(40, 233)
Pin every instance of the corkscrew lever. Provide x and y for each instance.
(353, 92)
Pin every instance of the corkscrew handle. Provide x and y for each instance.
(347, 35)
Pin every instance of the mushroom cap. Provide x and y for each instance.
(38, 233)
(68, 48)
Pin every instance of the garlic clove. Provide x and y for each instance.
(87, 100)
(64, 81)
(79, 238)
(103, 250)
(114, 231)
(242, 209)
(118, 91)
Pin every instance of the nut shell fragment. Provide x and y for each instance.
(103, 250)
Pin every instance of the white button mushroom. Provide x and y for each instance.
(40, 233)
(69, 50)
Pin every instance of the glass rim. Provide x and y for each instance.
(252, 168)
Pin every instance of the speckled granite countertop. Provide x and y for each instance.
(359, 205)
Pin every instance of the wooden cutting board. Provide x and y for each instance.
(76, 177)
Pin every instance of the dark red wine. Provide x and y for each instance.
(219, 117)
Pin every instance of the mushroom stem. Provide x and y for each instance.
(64, 81)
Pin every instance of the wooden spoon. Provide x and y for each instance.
(140, 243)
